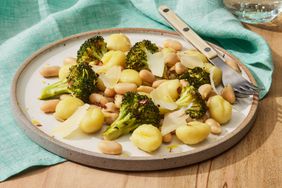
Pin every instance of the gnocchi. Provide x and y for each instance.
(220, 109)
(113, 58)
(118, 42)
(130, 76)
(193, 133)
(92, 121)
(66, 107)
(171, 88)
(147, 137)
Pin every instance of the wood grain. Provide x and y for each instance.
(256, 161)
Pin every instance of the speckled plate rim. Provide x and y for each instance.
(122, 162)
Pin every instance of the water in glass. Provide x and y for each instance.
(255, 11)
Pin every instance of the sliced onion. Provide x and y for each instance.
(173, 120)
(111, 77)
(71, 124)
(99, 69)
(156, 63)
(211, 80)
(163, 100)
(190, 61)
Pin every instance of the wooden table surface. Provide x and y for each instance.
(256, 161)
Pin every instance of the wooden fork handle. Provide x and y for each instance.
(186, 31)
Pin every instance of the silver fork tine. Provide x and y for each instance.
(250, 85)
(240, 95)
(254, 86)
(246, 87)
(247, 83)
(244, 91)
(239, 84)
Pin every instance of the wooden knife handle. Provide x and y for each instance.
(185, 30)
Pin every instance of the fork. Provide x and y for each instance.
(241, 86)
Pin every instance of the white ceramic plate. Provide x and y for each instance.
(82, 148)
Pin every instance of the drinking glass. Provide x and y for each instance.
(255, 11)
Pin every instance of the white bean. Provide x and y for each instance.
(110, 147)
(157, 83)
(109, 92)
(205, 90)
(172, 44)
(146, 76)
(118, 100)
(171, 69)
(49, 106)
(170, 59)
(69, 61)
(179, 68)
(184, 83)
(215, 126)
(111, 119)
(50, 71)
(228, 94)
(98, 99)
(167, 138)
(146, 89)
(122, 88)
(110, 99)
(111, 107)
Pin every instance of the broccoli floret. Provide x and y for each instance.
(135, 110)
(196, 77)
(136, 58)
(92, 49)
(191, 99)
(80, 82)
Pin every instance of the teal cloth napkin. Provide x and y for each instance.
(26, 26)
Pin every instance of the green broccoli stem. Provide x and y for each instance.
(54, 90)
(184, 101)
(122, 125)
